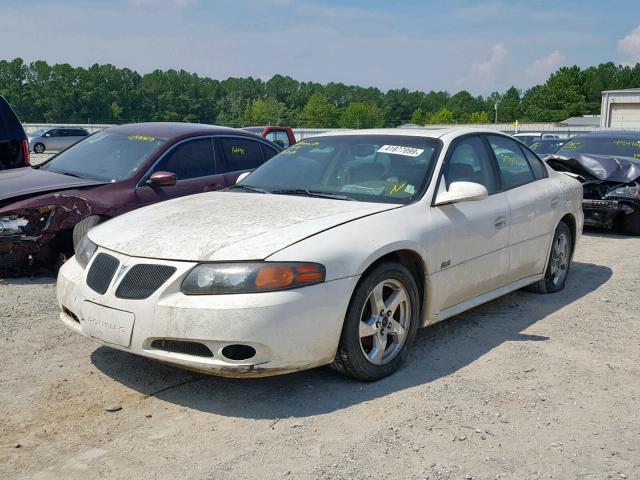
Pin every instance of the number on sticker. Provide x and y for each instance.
(400, 150)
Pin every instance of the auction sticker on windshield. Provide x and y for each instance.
(399, 150)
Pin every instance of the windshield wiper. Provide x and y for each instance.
(248, 188)
(312, 193)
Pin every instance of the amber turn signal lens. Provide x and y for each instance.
(274, 276)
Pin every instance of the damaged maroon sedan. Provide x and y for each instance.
(45, 210)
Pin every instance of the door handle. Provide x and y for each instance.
(500, 222)
(554, 202)
(212, 187)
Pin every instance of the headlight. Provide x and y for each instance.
(225, 278)
(629, 192)
(85, 250)
(12, 225)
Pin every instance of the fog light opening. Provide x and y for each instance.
(238, 352)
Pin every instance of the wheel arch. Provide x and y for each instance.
(414, 262)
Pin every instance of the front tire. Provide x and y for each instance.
(558, 264)
(38, 148)
(83, 226)
(380, 324)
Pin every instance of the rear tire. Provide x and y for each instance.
(38, 148)
(558, 263)
(380, 324)
(83, 226)
(631, 223)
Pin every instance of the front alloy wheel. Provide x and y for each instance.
(380, 325)
(384, 321)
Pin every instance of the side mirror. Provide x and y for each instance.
(462, 192)
(242, 176)
(162, 179)
(47, 135)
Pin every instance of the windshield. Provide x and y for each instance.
(105, 156)
(543, 147)
(38, 133)
(620, 146)
(527, 139)
(371, 168)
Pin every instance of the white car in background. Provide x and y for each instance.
(529, 137)
(333, 252)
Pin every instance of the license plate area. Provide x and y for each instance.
(107, 324)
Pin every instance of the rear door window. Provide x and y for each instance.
(240, 153)
(191, 159)
(514, 167)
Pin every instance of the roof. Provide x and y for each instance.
(412, 132)
(626, 90)
(593, 121)
(614, 134)
(169, 129)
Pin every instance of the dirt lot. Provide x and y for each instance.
(524, 387)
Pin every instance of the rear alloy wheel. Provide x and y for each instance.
(38, 148)
(631, 223)
(558, 264)
(380, 324)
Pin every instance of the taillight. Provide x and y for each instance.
(25, 152)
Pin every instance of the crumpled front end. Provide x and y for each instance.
(611, 186)
(24, 237)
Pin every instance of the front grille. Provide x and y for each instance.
(180, 346)
(101, 272)
(142, 280)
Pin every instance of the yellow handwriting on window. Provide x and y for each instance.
(397, 188)
(141, 138)
(237, 150)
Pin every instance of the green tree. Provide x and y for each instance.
(319, 113)
(442, 117)
(479, 117)
(361, 115)
(419, 117)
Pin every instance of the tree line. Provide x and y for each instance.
(61, 93)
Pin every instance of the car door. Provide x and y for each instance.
(469, 242)
(71, 136)
(532, 197)
(241, 154)
(54, 139)
(194, 163)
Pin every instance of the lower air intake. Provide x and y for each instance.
(179, 346)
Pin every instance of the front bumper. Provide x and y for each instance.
(289, 330)
(601, 213)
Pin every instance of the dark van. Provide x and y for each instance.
(14, 146)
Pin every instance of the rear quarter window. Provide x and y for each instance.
(241, 153)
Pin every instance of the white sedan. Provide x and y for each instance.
(333, 252)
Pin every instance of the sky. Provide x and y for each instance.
(479, 46)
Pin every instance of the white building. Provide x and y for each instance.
(621, 109)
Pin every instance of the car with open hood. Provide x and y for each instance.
(333, 252)
(607, 164)
(46, 209)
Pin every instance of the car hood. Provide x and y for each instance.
(23, 182)
(608, 168)
(226, 225)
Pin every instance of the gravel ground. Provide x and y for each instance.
(38, 158)
(525, 387)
